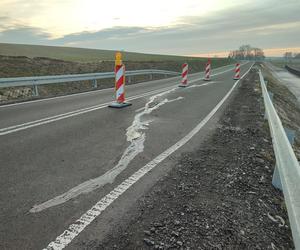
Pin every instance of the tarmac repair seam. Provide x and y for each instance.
(88, 217)
(136, 138)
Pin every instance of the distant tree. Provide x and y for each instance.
(246, 52)
(288, 56)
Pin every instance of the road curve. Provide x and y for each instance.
(60, 156)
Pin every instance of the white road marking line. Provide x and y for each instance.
(189, 86)
(15, 128)
(197, 85)
(23, 126)
(136, 139)
(75, 229)
(140, 109)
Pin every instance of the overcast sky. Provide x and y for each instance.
(181, 27)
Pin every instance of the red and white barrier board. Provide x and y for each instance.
(119, 84)
(237, 72)
(184, 75)
(207, 70)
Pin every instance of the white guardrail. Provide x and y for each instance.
(40, 80)
(286, 163)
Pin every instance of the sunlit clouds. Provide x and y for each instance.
(60, 18)
(190, 27)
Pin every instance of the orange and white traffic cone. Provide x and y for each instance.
(207, 70)
(184, 81)
(119, 84)
(237, 72)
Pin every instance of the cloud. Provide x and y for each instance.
(24, 34)
(268, 24)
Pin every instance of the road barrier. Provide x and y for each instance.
(207, 70)
(184, 75)
(119, 84)
(292, 70)
(287, 165)
(40, 80)
(237, 72)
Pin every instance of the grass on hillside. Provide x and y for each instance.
(83, 55)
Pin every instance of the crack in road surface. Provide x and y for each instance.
(136, 138)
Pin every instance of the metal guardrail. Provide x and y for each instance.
(286, 164)
(40, 80)
(292, 70)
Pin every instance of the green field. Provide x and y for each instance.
(81, 55)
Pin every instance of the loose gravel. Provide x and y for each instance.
(218, 197)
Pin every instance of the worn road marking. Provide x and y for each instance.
(134, 136)
(75, 229)
(15, 128)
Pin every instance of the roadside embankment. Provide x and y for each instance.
(287, 106)
(219, 196)
(293, 70)
(21, 66)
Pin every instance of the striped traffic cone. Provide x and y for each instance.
(207, 71)
(237, 72)
(184, 81)
(119, 84)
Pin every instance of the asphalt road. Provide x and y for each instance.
(50, 149)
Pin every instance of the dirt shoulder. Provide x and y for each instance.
(218, 197)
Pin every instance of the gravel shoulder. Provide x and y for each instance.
(219, 196)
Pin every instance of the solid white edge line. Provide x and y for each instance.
(46, 120)
(75, 229)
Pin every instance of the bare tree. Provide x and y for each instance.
(288, 56)
(246, 52)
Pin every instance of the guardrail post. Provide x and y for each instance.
(151, 77)
(94, 83)
(290, 135)
(271, 97)
(276, 182)
(129, 79)
(35, 90)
